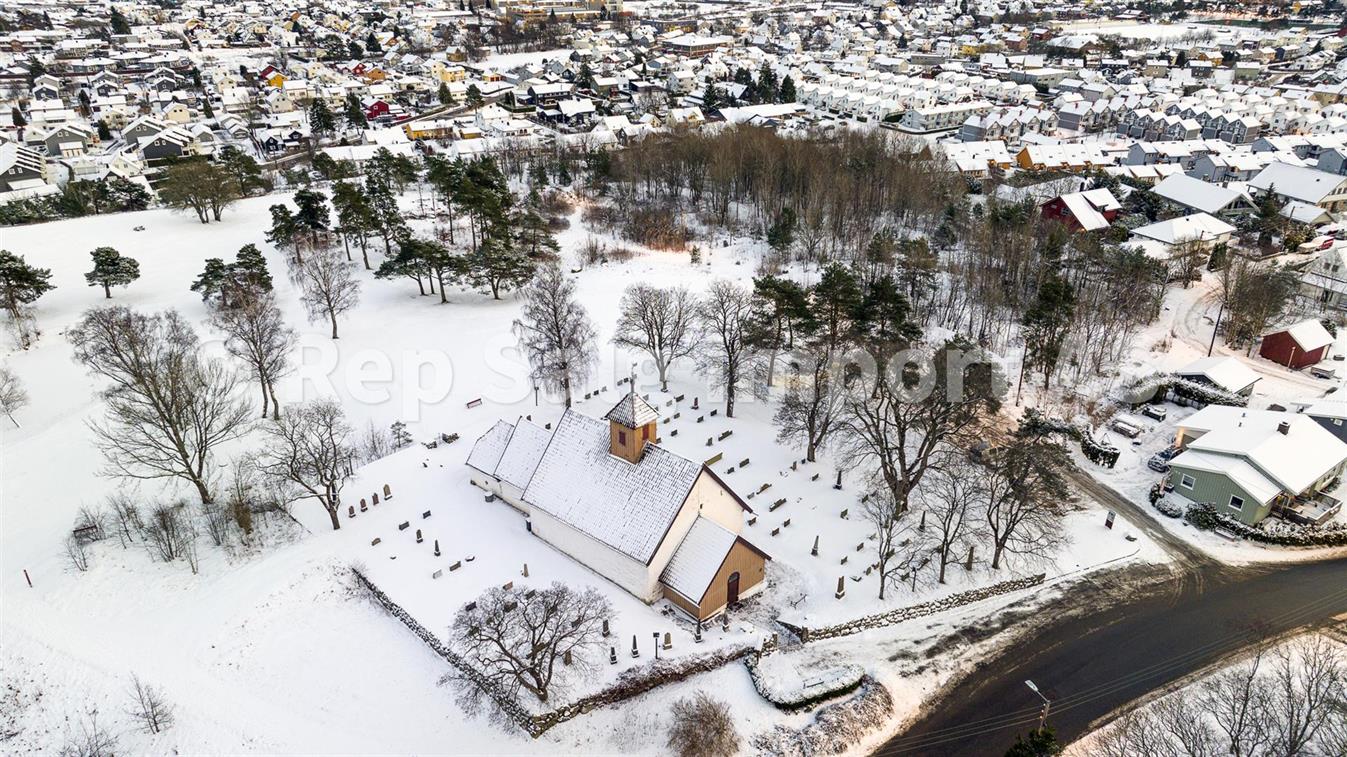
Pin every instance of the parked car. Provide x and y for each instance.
(1159, 462)
(1126, 428)
(1154, 411)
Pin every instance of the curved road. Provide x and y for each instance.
(1091, 664)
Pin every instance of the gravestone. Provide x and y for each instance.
(725, 620)
(785, 523)
(697, 637)
(526, 570)
(838, 485)
(635, 651)
(841, 587)
(776, 531)
(418, 536)
(844, 560)
(860, 546)
(425, 515)
(437, 574)
(437, 547)
(508, 585)
(566, 658)
(844, 513)
(605, 628)
(668, 640)
(350, 511)
(375, 542)
(404, 525)
(457, 564)
(374, 500)
(814, 552)
(363, 507)
(388, 492)
(612, 655)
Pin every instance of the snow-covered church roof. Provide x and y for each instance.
(698, 558)
(632, 411)
(628, 506)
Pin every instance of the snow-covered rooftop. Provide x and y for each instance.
(522, 454)
(1225, 372)
(632, 411)
(628, 506)
(698, 558)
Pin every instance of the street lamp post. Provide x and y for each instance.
(656, 635)
(1047, 704)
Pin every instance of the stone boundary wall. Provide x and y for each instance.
(631, 683)
(806, 634)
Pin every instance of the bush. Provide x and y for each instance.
(1278, 533)
(1169, 507)
(702, 727)
(657, 228)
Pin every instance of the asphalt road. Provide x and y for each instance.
(1089, 664)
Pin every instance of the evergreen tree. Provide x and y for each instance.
(104, 133)
(711, 98)
(16, 116)
(354, 112)
(787, 94)
(372, 45)
(321, 120)
(111, 269)
(781, 234)
(475, 99)
(767, 84)
(243, 169)
(1040, 742)
(833, 304)
(498, 264)
(401, 436)
(585, 79)
(354, 50)
(445, 96)
(312, 214)
(119, 23)
(1046, 325)
(20, 283)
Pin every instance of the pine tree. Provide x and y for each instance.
(475, 99)
(20, 283)
(372, 44)
(445, 96)
(1046, 325)
(498, 264)
(321, 120)
(585, 79)
(401, 436)
(354, 112)
(312, 214)
(119, 22)
(711, 98)
(787, 90)
(211, 282)
(111, 269)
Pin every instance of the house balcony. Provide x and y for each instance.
(1309, 510)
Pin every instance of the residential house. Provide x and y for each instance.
(1250, 464)
(1289, 182)
(1226, 373)
(1090, 210)
(1186, 193)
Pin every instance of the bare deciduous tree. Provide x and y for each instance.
(521, 640)
(255, 332)
(903, 423)
(126, 515)
(167, 531)
(1025, 495)
(948, 495)
(726, 355)
(901, 550)
(148, 706)
(12, 395)
(702, 727)
(811, 408)
(658, 322)
(77, 552)
(555, 332)
(88, 738)
(308, 453)
(1296, 706)
(169, 407)
(328, 285)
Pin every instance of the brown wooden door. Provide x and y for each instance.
(732, 589)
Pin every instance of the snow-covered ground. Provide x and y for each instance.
(266, 650)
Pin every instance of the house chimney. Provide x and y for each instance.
(1284, 428)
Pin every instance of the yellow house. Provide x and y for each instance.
(447, 72)
(276, 79)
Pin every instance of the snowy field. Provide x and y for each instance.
(1156, 31)
(265, 650)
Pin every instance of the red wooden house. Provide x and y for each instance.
(1298, 346)
(375, 108)
(1083, 211)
